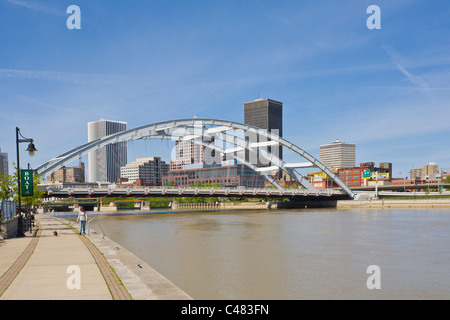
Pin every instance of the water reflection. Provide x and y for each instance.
(304, 254)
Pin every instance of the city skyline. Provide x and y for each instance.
(385, 90)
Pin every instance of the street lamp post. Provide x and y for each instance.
(31, 149)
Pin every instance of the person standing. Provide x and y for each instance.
(82, 218)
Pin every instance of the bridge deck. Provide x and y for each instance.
(192, 192)
(98, 192)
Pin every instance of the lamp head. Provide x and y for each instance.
(31, 149)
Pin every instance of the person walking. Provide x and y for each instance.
(82, 218)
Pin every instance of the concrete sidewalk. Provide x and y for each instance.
(42, 268)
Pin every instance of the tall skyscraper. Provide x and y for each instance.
(105, 163)
(338, 155)
(265, 114)
(4, 162)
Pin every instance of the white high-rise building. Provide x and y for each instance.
(4, 162)
(186, 153)
(338, 155)
(105, 163)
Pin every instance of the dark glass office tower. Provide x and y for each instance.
(265, 114)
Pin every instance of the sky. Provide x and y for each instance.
(386, 90)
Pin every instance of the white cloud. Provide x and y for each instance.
(35, 6)
(72, 77)
(399, 61)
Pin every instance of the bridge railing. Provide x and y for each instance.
(191, 191)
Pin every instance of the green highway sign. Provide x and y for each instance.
(26, 182)
(366, 174)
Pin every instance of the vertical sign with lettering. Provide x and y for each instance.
(26, 182)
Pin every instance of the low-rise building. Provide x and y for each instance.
(428, 171)
(445, 173)
(150, 169)
(353, 176)
(69, 174)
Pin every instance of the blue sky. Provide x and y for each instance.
(387, 90)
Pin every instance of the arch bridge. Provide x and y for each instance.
(254, 147)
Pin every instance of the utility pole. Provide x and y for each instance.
(376, 184)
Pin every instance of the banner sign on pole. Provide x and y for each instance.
(26, 182)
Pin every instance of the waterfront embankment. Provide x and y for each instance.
(395, 203)
(274, 205)
(223, 206)
(55, 263)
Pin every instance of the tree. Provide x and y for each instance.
(37, 194)
(446, 180)
(6, 185)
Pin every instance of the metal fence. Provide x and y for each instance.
(8, 208)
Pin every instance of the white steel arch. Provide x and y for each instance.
(208, 132)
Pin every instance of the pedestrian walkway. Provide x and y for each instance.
(59, 264)
(45, 268)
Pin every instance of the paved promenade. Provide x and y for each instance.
(67, 266)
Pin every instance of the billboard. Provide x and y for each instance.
(382, 175)
(319, 176)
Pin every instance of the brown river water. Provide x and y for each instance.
(294, 254)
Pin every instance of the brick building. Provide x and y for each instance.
(234, 175)
(69, 174)
(353, 177)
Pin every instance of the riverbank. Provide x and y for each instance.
(443, 202)
(395, 203)
(262, 205)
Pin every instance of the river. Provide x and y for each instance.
(294, 254)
